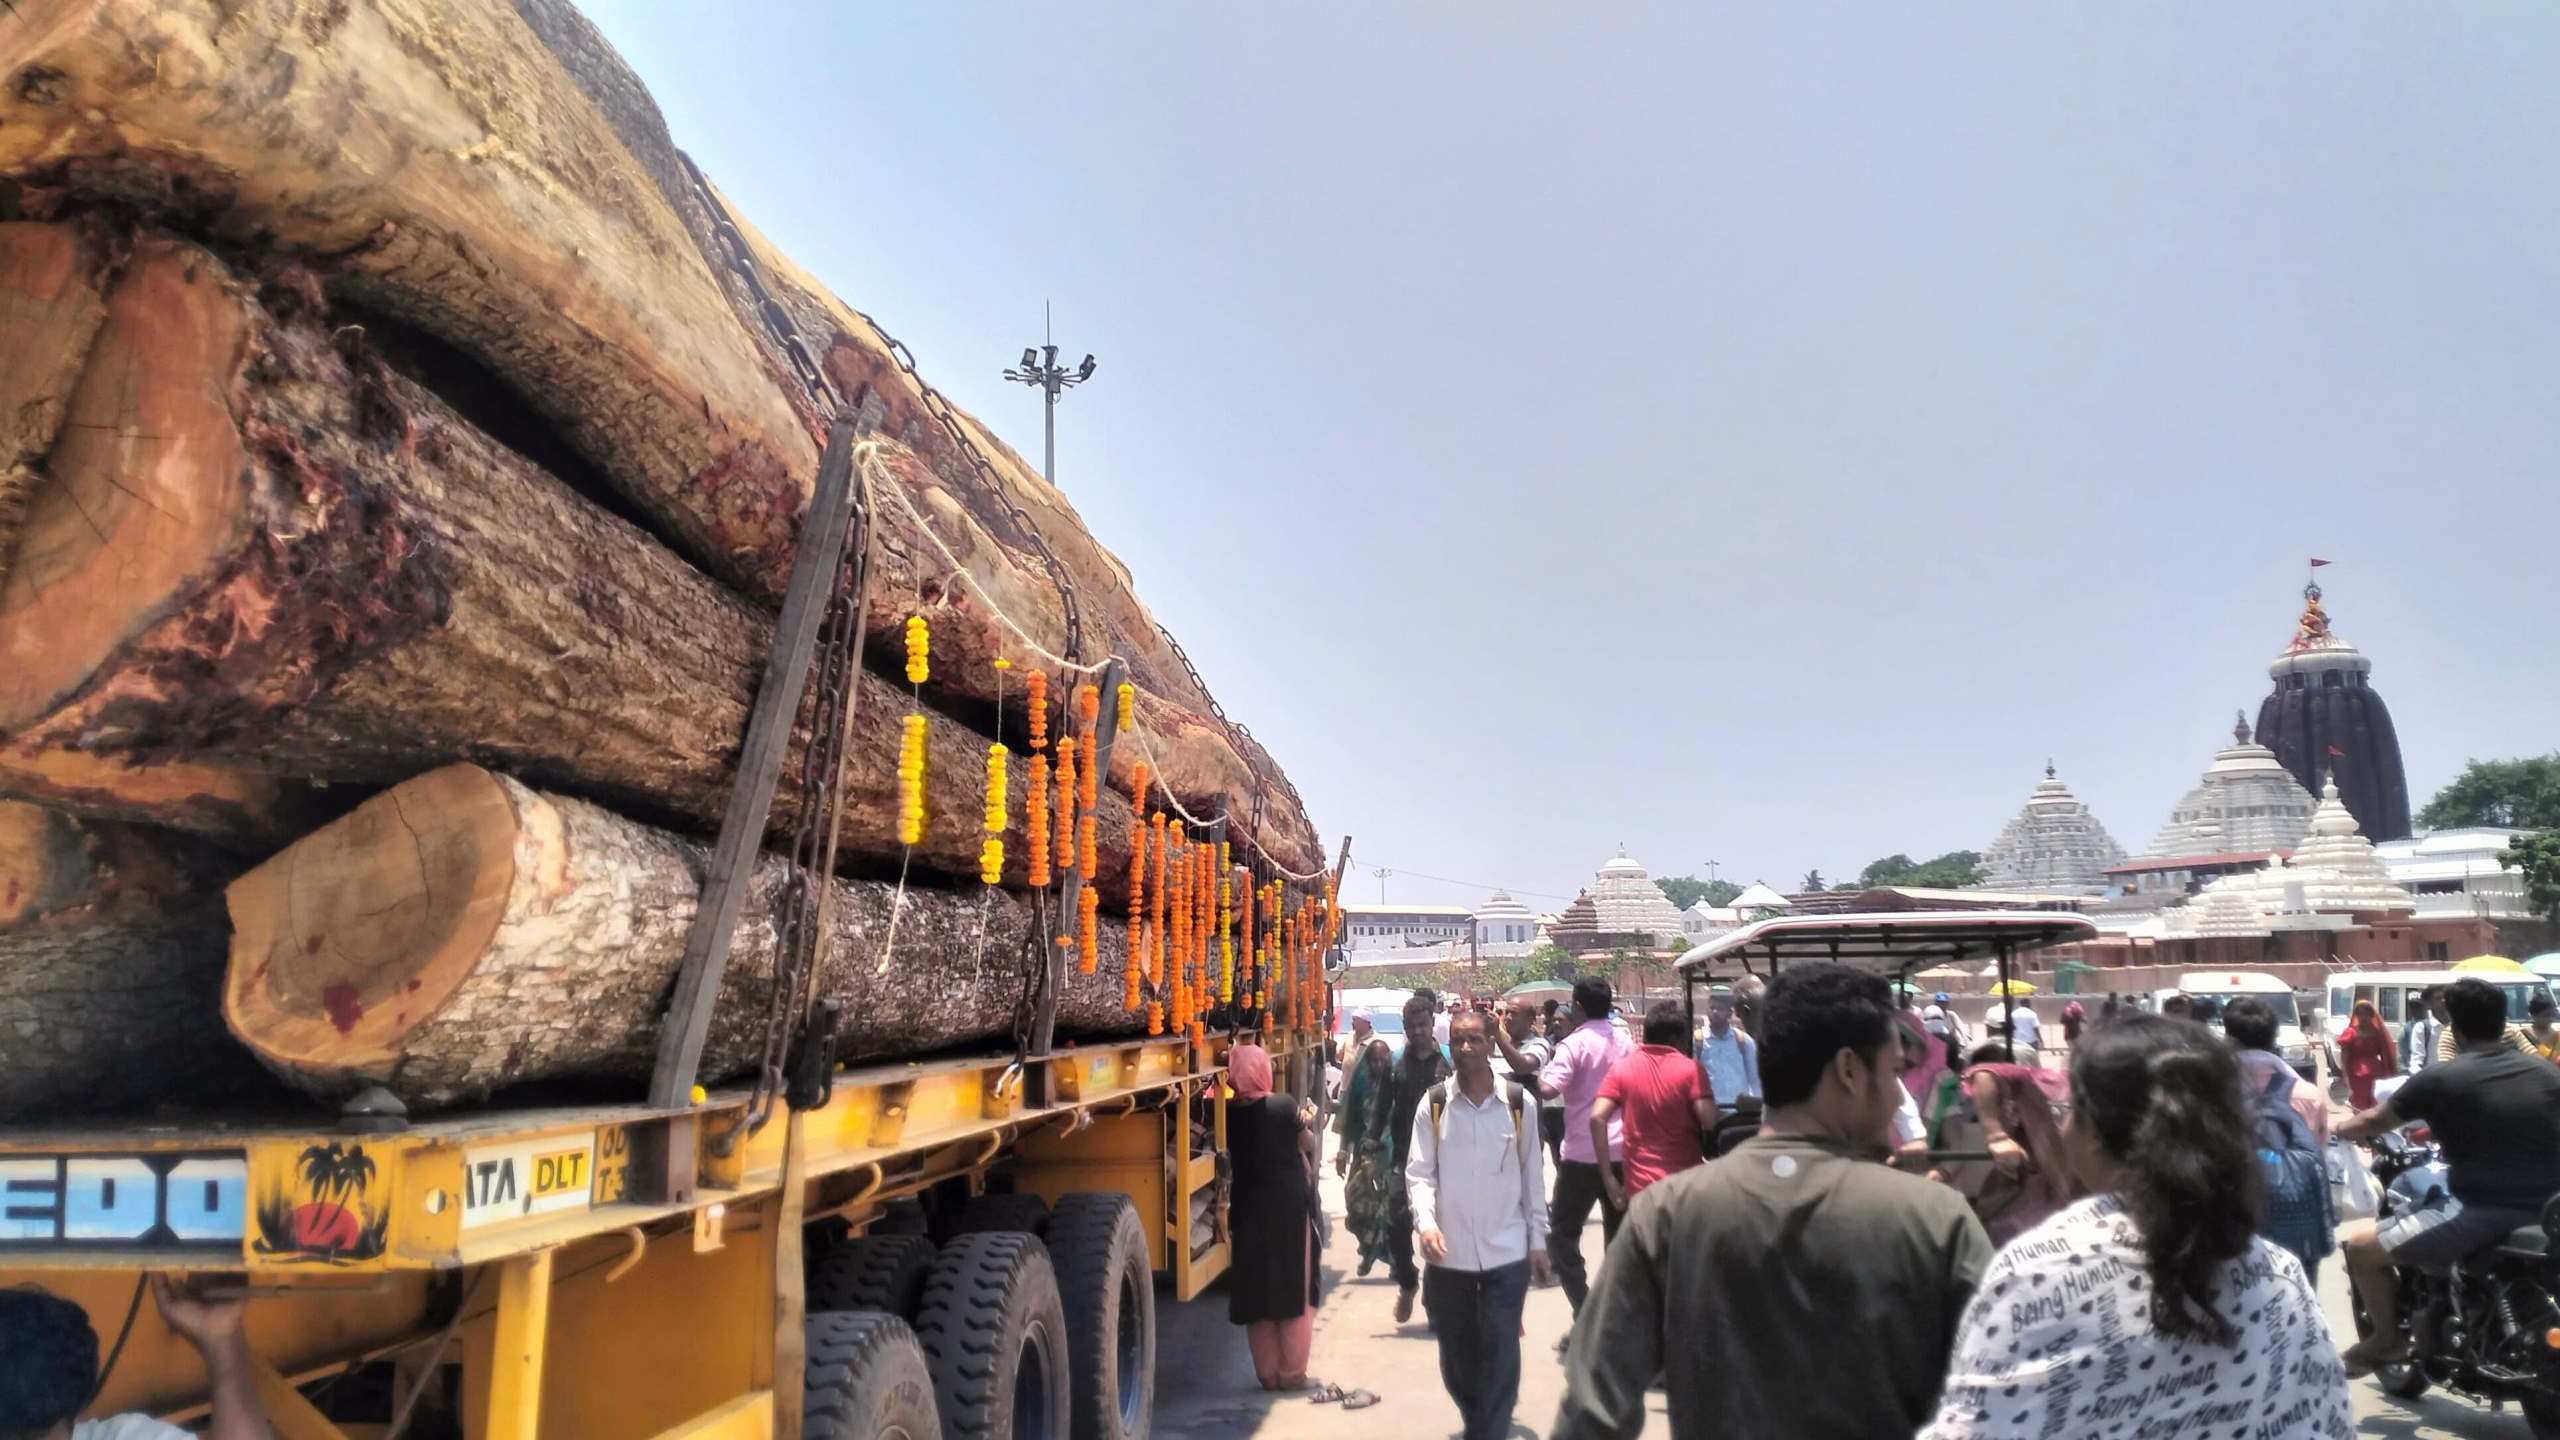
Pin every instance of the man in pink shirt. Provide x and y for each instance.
(1659, 1097)
(1582, 1062)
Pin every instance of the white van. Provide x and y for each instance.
(2224, 986)
(2395, 993)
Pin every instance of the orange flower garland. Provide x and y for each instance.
(1038, 681)
(1065, 829)
(1035, 814)
(1089, 928)
(1137, 913)
(1226, 928)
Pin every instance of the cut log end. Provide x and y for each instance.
(143, 485)
(347, 940)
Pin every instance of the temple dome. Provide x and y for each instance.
(2053, 846)
(2246, 803)
(2334, 872)
(1625, 901)
(2324, 719)
(1500, 908)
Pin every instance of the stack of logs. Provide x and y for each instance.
(395, 488)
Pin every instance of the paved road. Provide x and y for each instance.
(1205, 1386)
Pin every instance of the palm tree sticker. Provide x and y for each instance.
(328, 1219)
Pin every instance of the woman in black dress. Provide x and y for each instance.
(1271, 1286)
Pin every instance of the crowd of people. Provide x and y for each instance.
(2011, 1240)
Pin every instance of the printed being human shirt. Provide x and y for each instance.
(2059, 1341)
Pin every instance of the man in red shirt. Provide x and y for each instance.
(1660, 1098)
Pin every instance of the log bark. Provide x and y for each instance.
(111, 962)
(364, 586)
(497, 177)
(462, 933)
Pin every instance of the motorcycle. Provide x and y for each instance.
(2488, 1327)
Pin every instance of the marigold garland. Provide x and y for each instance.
(1155, 916)
(1137, 913)
(911, 781)
(1088, 842)
(1226, 927)
(1138, 786)
(991, 849)
(1066, 810)
(1089, 792)
(1127, 708)
(1035, 811)
(1089, 928)
(1038, 681)
(919, 650)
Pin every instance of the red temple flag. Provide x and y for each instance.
(2338, 753)
(2316, 564)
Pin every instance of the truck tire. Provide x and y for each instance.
(871, 1272)
(1107, 1287)
(866, 1379)
(995, 1339)
(1006, 1210)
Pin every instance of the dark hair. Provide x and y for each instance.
(2541, 1006)
(2164, 1100)
(52, 1364)
(2431, 992)
(2476, 1009)
(2250, 1023)
(2178, 1006)
(1593, 995)
(1813, 1013)
(1483, 1022)
(1548, 1008)
(1424, 996)
(1667, 1023)
(1989, 1052)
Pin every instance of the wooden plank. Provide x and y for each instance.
(786, 674)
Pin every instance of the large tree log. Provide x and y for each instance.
(111, 958)
(49, 310)
(461, 933)
(451, 169)
(271, 554)
(244, 807)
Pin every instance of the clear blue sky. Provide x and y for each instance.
(1759, 433)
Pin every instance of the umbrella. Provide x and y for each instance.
(1537, 989)
(2491, 964)
(2545, 964)
(2012, 987)
(1946, 972)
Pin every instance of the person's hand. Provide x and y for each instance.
(1435, 1246)
(2008, 1156)
(1342, 1162)
(207, 1324)
(1616, 1188)
(1541, 1269)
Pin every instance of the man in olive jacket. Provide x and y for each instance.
(1797, 1287)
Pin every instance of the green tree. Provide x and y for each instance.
(1811, 882)
(2538, 856)
(2523, 794)
(1687, 890)
(1951, 871)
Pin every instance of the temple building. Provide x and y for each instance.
(1505, 928)
(2324, 717)
(2054, 846)
(2247, 803)
(1622, 907)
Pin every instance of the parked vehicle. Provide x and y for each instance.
(2224, 986)
(2395, 992)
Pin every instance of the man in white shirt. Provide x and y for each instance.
(2419, 1039)
(2030, 1029)
(1477, 1183)
(50, 1354)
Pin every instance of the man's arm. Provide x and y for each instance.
(1551, 1076)
(2381, 1118)
(1421, 1184)
(214, 1327)
(1602, 1111)
(1533, 1189)
(1703, 1104)
(1750, 1066)
(1617, 1343)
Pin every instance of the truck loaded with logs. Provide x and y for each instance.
(530, 735)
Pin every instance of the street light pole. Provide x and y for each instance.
(1040, 369)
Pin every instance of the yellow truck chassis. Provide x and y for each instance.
(604, 1271)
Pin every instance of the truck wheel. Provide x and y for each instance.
(996, 1340)
(1108, 1290)
(866, 1379)
(871, 1272)
(988, 1214)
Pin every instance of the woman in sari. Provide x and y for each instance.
(2031, 1174)
(2368, 1054)
(1271, 1281)
(1368, 1175)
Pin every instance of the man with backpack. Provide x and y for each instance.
(1476, 1179)
(2293, 1137)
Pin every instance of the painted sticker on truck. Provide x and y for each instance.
(527, 1177)
(157, 1198)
